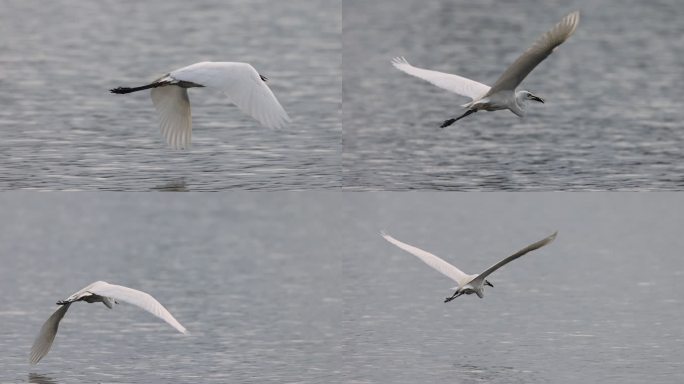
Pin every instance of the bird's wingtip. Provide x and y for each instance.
(573, 18)
(383, 233)
(552, 237)
(399, 60)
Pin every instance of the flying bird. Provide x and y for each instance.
(503, 94)
(243, 85)
(98, 292)
(467, 284)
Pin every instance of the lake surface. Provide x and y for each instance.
(61, 129)
(603, 303)
(253, 277)
(300, 288)
(612, 118)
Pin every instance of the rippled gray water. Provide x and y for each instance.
(300, 288)
(612, 118)
(60, 128)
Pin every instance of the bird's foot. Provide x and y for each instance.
(120, 90)
(447, 123)
(62, 302)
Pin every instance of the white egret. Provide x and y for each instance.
(108, 294)
(502, 95)
(243, 85)
(467, 284)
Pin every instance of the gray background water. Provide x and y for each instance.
(612, 118)
(601, 304)
(253, 277)
(299, 287)
(60, 128)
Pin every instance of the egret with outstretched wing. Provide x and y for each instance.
(98, 292)
(467, 284)
(503, 94)
(240, 82)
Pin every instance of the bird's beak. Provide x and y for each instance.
(535, 98)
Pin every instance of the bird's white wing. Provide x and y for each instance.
(428, 258)
(138, 298)
(41, 346)
(173, 106)
(540, 50)
(514, 256)
(453, 83)
(243, 86)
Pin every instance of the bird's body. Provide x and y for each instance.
(98, 292)
(240, 82)
(503, 94)
(467, 284)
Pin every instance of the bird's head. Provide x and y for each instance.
(527, 95)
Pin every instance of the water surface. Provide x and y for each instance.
(611, 121)
(60, 128)
(252, 277)
(301, 288)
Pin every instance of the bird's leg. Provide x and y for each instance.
(455, 295)
(124, 90)
(447, 123)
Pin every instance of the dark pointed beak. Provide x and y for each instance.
(487, 282)
(535, 98)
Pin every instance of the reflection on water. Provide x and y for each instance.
(36, 378)
(472, 373)
(178, 185)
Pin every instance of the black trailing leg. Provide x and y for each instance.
(455, 295)
(447, 123)
(124, 90)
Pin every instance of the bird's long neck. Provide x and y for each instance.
(518, 106)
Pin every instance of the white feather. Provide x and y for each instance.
(98, 291)
(435, 262)
(453, 83)
(243, 86)
(175, 118)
